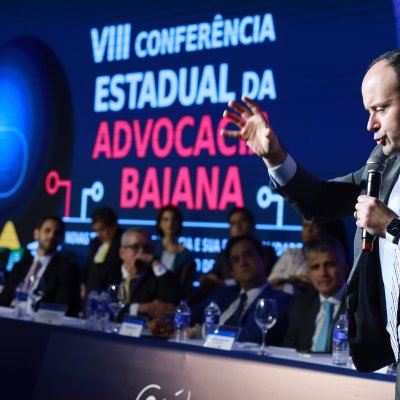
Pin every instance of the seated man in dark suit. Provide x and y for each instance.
(245, 257)
(56, 273)
(152, 290)
(312, 314)
(102, 266)
(241, 222)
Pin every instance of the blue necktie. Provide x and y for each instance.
(322, 341)
(236, 317)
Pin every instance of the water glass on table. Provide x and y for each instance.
(116, 302)
(265, 316)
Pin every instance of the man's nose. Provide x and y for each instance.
(324, 271)
(373, 124)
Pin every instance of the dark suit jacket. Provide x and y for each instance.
(98, 276)
(318, 201)
(224, 296)
(61, 282)
(302, 315)
(150, 287)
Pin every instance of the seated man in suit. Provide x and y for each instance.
(102, 266)
(57, 274)
(245, 258)
(313, 313)
(241, 222)
(152, 290)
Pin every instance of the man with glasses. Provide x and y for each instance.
(151, 289)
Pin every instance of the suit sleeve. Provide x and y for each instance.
(323, 200)
(68, 286)
(291, 337)
(14, 278)
(168, 288)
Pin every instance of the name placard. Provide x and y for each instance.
(222, 338)
(52, 314)
(132, 326)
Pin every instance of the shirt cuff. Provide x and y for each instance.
(392, 239)
(282, 174)
(133, 309)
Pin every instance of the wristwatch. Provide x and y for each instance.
(393, 230)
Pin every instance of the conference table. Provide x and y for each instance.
(44, 361)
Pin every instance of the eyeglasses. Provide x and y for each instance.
(137, 247)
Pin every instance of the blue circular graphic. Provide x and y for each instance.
(13, 160)
(35, 124)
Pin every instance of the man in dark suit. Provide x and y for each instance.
(102, 266)
(152, 289)
(312, 314)
(241, 222)
(57, 274)
(373, 322)
(245, 257)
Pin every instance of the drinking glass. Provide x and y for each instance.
(116, 302)
(265, 316)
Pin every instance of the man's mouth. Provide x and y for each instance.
(380, 140)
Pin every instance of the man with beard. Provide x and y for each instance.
(56, 274)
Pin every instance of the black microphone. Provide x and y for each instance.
(375, 166)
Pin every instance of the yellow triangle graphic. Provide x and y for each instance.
(9, 237)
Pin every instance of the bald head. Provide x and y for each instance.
(381, 97)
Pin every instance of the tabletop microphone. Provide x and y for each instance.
(375, 166)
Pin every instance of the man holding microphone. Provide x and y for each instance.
(373, 287)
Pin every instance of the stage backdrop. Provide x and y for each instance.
(120, 103)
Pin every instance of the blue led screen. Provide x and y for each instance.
(121, 103)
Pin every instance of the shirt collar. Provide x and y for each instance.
(252, 294)
(336, 298)
(44, 260)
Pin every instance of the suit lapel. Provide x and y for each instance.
(389, 178)
(227, 295)
(310, 318)
(137, 283)
(49, 276)
(265, 293)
